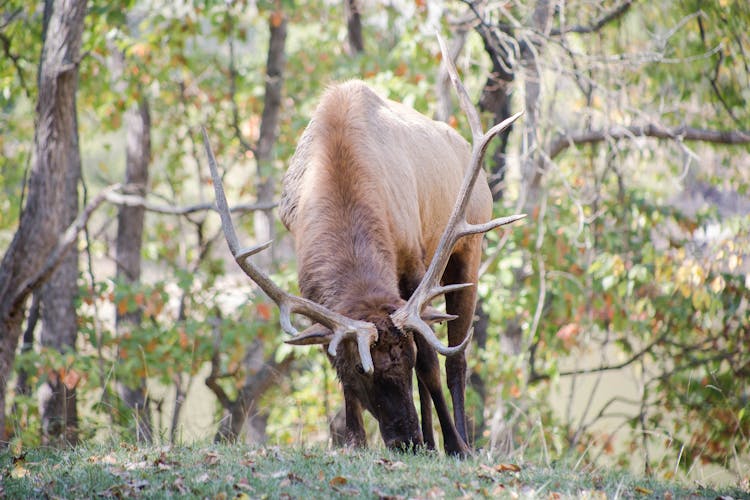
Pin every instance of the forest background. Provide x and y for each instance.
(613, 324)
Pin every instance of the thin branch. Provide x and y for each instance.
(213, 377)
(635, 357)
(682, 133)
(64, 243)
(233, 95)
(139, 201)
(607, 18)
(585, 371)
(16, 63)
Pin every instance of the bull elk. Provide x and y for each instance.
(387, 211)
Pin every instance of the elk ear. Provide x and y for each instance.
(316, 334)
(430, 315)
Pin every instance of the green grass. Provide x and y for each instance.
(238, 471)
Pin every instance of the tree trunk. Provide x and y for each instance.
(264, 219)
(243, 411)
(41, 220)
(129, 240)
(354, 42)
(496, 99)
(532, 165)
(58, 407)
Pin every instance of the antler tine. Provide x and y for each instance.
(408, 316)
(463, 96)
(342, 327)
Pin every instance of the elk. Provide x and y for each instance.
(387, 209)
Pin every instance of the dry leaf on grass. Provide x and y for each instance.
(338, 484)
(507, 468)
(643, 491)
(385, 496)
(211, 458)
(390, 464)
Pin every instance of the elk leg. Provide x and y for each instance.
(425, 408)
(462, 268)
(428, 374)
(355, 429)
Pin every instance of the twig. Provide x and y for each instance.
(64, 243)
(610, 16)
(139, 201)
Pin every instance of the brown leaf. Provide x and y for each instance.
(243, 484)
(19, 469)
(643, 491)
(390, 464)
(211, 458)
(507, 468)
(338, 481)
(386, 496)
(179, 486)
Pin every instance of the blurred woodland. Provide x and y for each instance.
(613, 324)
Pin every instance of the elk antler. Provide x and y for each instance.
(408, 317)
(340, 326)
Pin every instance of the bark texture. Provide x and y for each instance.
(42, 218)
(269, 126)
(58, 406)
(129, 240)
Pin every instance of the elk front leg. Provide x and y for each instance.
(355, 429)
(462, 268)
(425, 409)
(428, 373)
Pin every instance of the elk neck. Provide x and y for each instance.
(348, 260)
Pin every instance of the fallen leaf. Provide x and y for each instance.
(19, 470)
(243, 484)
(163, 462)
(211, 458)
(179, 485)
(136, 465)
(435, 492)
(507, 468)
(390, 464)
(643, 491)
(386, 496)
(337, 481)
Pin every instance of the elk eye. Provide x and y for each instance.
(359, 369)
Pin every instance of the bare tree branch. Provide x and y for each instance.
(130, 200)
(607, 18)
(64, 243)
(586, 371)
(682, 133)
